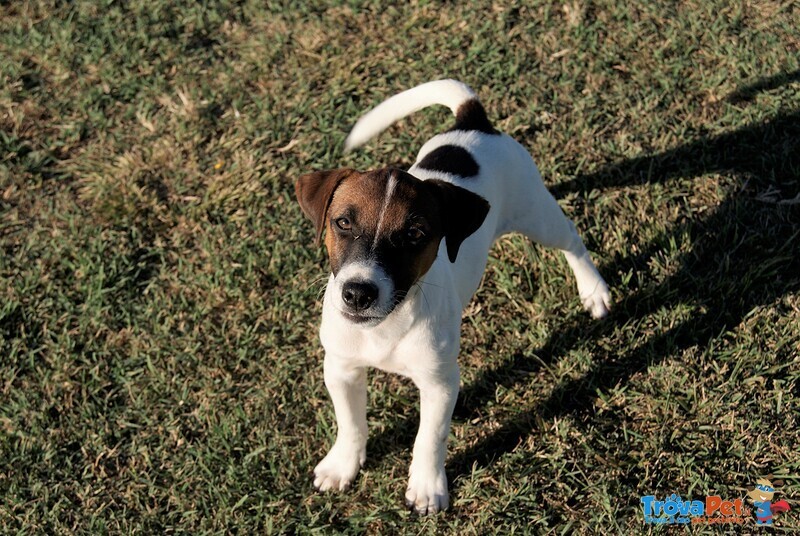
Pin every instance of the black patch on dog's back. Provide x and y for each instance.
(450, 159)
(472, 116)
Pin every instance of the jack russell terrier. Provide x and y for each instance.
(407, 251)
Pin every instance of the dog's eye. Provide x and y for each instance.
(343, 224)
(414, 235)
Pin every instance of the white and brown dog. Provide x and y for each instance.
(407, 251)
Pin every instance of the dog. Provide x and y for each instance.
(407, 251)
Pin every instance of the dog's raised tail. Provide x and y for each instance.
(457, 96)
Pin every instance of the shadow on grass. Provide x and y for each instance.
(742, 257)
(748, 92)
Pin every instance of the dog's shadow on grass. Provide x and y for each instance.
(742, 256)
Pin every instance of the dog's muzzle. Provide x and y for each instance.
(363, 293)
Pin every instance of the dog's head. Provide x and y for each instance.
(383, 232)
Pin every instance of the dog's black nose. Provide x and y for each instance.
(359, 295)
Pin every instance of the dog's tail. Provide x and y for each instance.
(457, 96)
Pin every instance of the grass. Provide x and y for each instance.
(159, 291)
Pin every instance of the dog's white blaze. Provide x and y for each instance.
(390, 186)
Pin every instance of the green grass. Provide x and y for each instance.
(160, 294)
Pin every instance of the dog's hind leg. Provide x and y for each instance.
(543, 221)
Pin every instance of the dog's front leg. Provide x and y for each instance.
(427, 482)
(348, 390)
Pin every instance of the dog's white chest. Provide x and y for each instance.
(421, 332)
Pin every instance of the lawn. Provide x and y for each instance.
(160, 370)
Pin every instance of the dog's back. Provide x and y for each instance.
(472, 154)
(475, 156)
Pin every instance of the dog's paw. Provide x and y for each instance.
(338, 469)
(598, 301)
(427, 491)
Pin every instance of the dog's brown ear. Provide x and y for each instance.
(777, 483)
(462, 213)
(314, 192)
